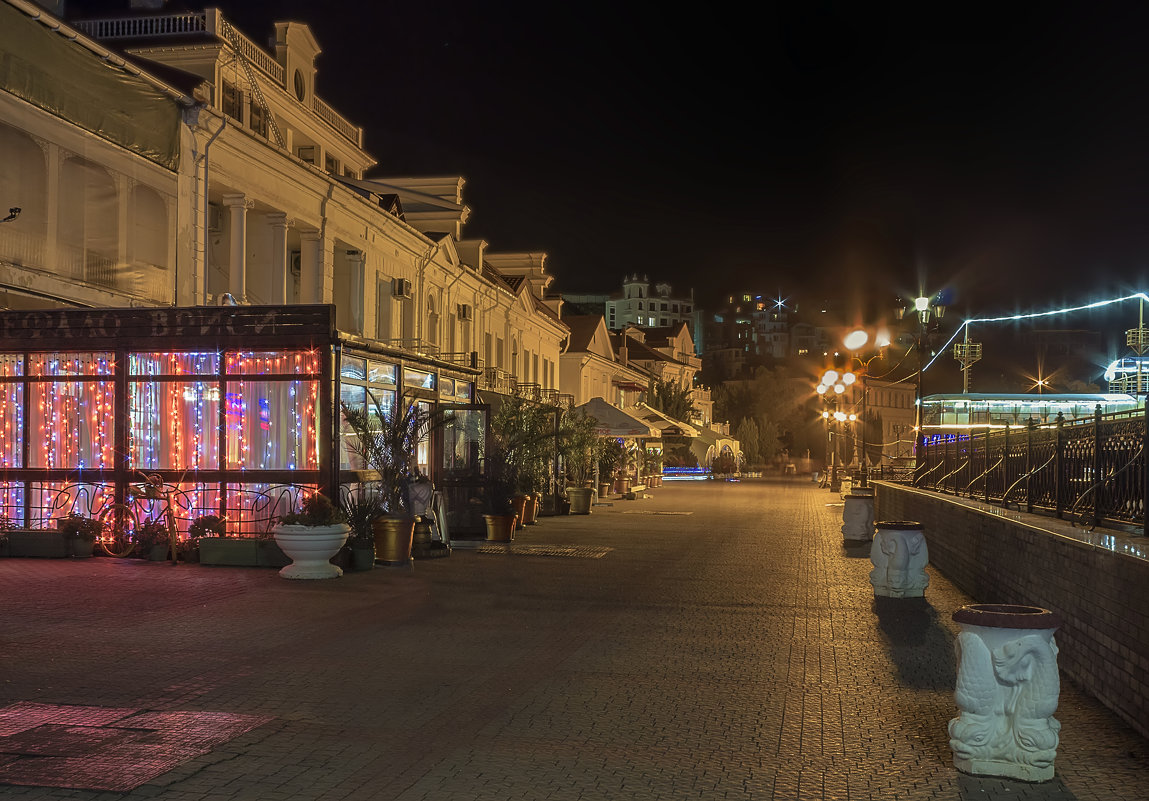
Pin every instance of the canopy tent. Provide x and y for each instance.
(614, 422)
(667, 425)
(710, 444)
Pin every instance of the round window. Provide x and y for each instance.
(300, 88)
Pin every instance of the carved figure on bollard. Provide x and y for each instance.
(858, 518)
(899, 556)
(1007, 691)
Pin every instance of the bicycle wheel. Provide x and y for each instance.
(118, 524)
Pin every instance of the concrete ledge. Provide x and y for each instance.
(1098, 581)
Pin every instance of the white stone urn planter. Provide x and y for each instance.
(858, 518)
(899, 556)
(1007, 692)
(310, 548)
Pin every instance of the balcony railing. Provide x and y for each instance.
(498, 380)
(212, 22)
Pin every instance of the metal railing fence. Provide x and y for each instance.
(1091, 470)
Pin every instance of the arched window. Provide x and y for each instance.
(89, 222)
(23, 185)
(432, 333)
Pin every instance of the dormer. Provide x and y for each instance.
(472, 252)
(296, 49)
(531, 267)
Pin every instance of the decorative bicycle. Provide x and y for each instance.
(118, 524)
(119, 521)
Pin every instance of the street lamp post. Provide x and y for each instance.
(856, 341)
(832, 382)
(924, 309)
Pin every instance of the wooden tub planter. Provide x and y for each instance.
(45, 543)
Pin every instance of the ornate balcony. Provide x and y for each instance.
(212, 23)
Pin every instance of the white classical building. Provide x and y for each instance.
(167, 162)
(228, 179)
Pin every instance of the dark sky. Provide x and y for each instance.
(847, 150)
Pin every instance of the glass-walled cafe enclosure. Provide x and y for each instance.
(236, 409)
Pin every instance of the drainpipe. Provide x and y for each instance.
(207, 212)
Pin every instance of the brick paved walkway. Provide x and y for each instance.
(733, 651)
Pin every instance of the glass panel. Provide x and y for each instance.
(173, 425)
(173, 363)
(354, 368)
(382, 397)
(423, 449)
(271, 425)
(11, 364)
(64, 364)
(11, 425)
(463, 391)
(12, 504)
(288, 362)
(253, 509)
(55, 499)
(418, 378)
(463, 436)
(447, 387)
(380, 373)
(71, 424)
(356, 398)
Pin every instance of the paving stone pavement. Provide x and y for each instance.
(714, 641)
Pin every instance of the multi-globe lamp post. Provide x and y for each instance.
(864, 349)
(830, 388)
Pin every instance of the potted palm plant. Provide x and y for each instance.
(310, 537)
(362, 508)
(579, 444)
(501, 479)
(386, 438)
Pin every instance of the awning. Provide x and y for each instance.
(668, 425)
(614, 422)
(630, 385)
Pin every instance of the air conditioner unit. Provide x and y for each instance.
(464, 311)
(400, 288)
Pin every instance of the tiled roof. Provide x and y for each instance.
(582, 328)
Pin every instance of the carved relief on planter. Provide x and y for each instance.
(858, 518)
(1007, 692)
(899, 556)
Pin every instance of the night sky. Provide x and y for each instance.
(841, 151)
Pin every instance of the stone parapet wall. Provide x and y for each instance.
(1015, 558)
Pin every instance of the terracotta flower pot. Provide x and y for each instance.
(499, 527)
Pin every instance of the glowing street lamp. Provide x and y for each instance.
(924, 309)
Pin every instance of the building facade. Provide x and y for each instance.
(229, 183)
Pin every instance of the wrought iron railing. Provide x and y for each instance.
(1090, 471)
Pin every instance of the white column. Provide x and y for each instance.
(310, 268)
(237, 284)
(277, 292)
(355, 269)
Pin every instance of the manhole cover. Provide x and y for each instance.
(576, 551)
(98, 748)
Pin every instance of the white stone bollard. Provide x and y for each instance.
(1007, 691)
(899, 556)
(858, 518)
